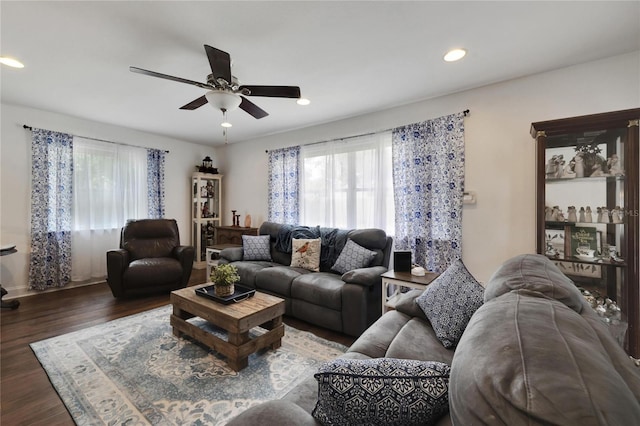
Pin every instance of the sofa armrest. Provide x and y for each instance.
(184, 254)
(278, 412)
(407, 304)
(365, 276)
(232, 254)
(117, 262)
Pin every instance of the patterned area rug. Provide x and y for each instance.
(134, 371)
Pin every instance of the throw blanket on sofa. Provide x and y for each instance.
(332, 240)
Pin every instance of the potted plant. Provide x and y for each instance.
(224, 278)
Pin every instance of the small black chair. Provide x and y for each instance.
(150, 259)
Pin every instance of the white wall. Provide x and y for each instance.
(15, 178)
(500, 153)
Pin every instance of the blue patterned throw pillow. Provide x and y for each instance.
(353, 256)
(450, 301)
(381, 391)
(256, 247)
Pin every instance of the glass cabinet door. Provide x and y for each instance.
(587, 211)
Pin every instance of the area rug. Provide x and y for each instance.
(134, 371)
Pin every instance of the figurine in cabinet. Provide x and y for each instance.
(554, 169)
(210, 190)
(588, 216)
(597, 170)
(579, 167)
(616, 214)
(568, 172)
(548, 214)
(613, 163)
(582, 217)
(571, 214)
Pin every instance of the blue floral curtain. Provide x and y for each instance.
(51, 201)
(428, 181)
(155, 182)
(284, 186)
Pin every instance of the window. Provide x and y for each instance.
(109, 187)
(348, 183)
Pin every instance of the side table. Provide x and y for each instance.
(400, 280)
(12, 304)
(213, 255)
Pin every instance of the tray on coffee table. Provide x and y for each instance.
(241, 293)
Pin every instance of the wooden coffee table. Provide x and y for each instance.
(237, 319)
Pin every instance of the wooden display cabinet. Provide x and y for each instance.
(206, 213)
(592, 161)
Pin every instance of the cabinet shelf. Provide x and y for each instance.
(584, 179)
(597, 261)
(600, 143)
(556, 223)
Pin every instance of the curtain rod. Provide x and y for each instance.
(101, 140)
(465, 112)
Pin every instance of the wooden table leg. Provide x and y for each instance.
(270, 325)
(238, 339)
(182, 314)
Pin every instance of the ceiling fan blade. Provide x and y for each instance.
(252, 108)
(273, 91)
(196, 103)
(220, 62)
(170, 77)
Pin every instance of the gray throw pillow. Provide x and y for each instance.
(353, 256)
(381, 391)
(256, 247)
(450, 301)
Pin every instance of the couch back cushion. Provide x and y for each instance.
(536, 273)
(526, 358)
(147, 238)
(372, 239)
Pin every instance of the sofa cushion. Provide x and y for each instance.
(305, 253)
(319, 288)
(526, 358)
(353, 256)
(534, 272)
(450, 301)
(256, 247)
(382, 391)
(278, 279)
(150, 271)
(249, 270)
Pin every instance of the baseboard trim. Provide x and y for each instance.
(15, 293)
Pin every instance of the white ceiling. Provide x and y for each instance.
(349, 58)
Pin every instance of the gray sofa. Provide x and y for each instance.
(534, 353)
(347, 303)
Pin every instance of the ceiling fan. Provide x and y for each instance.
(224, 91)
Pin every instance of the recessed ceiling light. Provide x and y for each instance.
(14, 63)
(455, 55)
(303, 101)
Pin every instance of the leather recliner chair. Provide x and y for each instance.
(150, 259)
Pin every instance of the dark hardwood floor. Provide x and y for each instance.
(26, 395)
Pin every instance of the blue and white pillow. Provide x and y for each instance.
(256, 247)
(450, 301)
(381, 391)
(353, 256)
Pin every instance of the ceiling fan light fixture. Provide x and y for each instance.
(220, 99)
(455, 55)
(303, 101)
(226, 124)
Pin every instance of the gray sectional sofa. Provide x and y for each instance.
(348, 302)
(534, 353)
